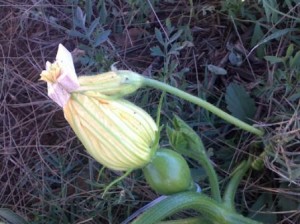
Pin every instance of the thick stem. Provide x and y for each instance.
(193, 220)
(212, 175)
(232, 186)
(202, 103)
(209, 208)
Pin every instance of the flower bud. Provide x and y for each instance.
(116, 133)
(117, 83)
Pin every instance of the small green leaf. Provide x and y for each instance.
(175, 49)
(265, 207)
(79, 19)
(159, 36)
(258, 35)
(92, 27)
(290, 50)
(287, 202)
(184, 139)
(175, 36)
(216, 70)
(102, 37)
(156, 51)
(273, 59)
(276, 34)
(295, 61)
(75, 33)
(88, 10)
(239, 103)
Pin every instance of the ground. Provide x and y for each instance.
(202, 47)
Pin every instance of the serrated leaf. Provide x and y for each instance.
(239, 103)
(216, 70)
(102, 37)
(156, 51)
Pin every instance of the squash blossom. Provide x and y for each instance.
(115, 132)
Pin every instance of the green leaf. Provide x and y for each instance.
(102, 37)
(273, 59)
(88, 10)
(258, 35)
(239, 103)
(288, 202)
(92, 27)
(263, 209)
(156, 51)
(75, 33)
(10, 217)
(159, 36)
(175, 36)
(216, 70)
(79, 19)
(276, 34)
(184, 139)
(175, 49)
(102, 11)
(295, 61)
(289, 51)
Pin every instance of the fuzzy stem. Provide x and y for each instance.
(202, 103)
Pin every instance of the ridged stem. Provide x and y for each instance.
(211, 174)
(232, 186)
(209, 208)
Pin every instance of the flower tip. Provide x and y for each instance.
(64, 56)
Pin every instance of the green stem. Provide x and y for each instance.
(193, 220)
(202, 103)
(212, 175)
(116, 181)
(209, 208)
(232, 186)
(195, 150)
(213, 179)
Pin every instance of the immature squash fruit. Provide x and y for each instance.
(168, 173)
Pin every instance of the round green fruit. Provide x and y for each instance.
(168, 173)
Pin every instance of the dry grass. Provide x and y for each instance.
(45, 174)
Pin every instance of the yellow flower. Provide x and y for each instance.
(51, 73)
(115, 132)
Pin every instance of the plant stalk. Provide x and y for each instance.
(232, 186)
(209, 209)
